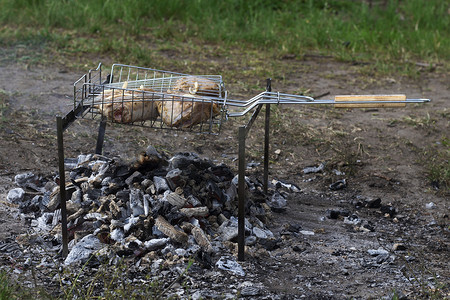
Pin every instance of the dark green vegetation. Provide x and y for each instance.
(386, 32)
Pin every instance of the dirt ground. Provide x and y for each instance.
(381, 153)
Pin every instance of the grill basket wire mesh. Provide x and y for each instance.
(136, 96)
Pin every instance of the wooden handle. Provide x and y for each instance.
(368, 98)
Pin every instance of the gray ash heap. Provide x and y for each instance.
(184, 205)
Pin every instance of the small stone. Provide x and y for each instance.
(278, 203)
(373, 203)
(270, 244)
(307, 232)
(335, 214)
(251, 240)
(398, 247)
(250, 291)
(388, 210)
(430, 205)
(15, 195)
(376, 252)
(317, 169)
(338, 185)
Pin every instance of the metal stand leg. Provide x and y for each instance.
(241, 194)
(266, 139)
(101, 136)
(62, 186)
(266, 149)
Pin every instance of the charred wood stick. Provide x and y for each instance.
(165, 227)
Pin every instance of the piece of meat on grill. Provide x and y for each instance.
(196, 85)
(128, 106)
(184, 111)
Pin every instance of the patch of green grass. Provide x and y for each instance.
(3, 107)
(6, 289)
(437, 159)
(389, 32)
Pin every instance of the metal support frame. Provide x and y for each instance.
(62, 185)
(101, 136)
(242, 135)
(61, 125)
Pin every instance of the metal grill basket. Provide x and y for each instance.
(152, 98)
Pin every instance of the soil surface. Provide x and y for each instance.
(381, 153)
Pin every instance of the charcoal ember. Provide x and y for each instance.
(43, 223)
(184, 160)
(174, 215)
(228, 230)
(337, 213)
(215, 192)
(230, 265)
(338, 185)
(81, 212)
(388, 210)
(30, 181)
(251, 240)
(135, 177)
(373, 203)
(290, 187)
(175, 199)
(262, 233)
(146, 183)
(130, 223)
(155, 244)
(248, 291)
(123, 195)
(114, 209)
(31, 205)
(160, 184)
(136, 202)
(83, 250)
(117, 235)
(80, 172)
(174, 179)
(161, 208)
(399, 247)
(146, 203)
(153, 157)
(231, 192)
(192, 200)
(221, 219)
(277, 202)
(201, 239)
(116, 184)
(270, 244)
(165, 227)
(223, 172)
(352, 220)
(201, 211)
